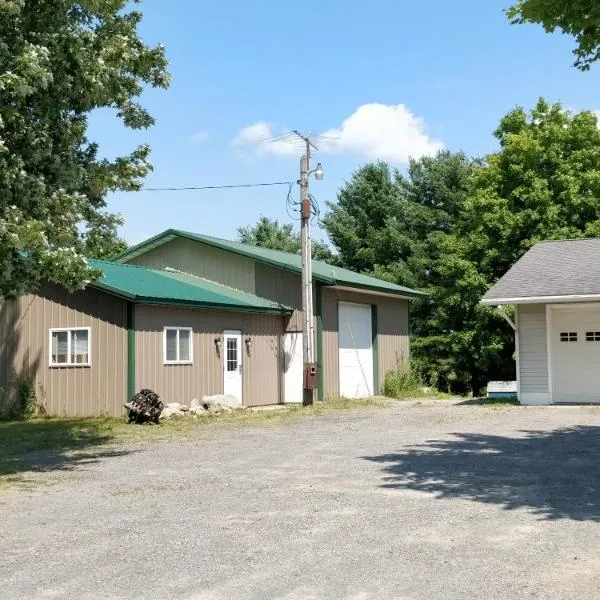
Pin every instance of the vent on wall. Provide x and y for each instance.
(568, 336)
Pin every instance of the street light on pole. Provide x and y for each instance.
(308, 328)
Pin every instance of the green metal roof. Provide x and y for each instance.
(150, 286)
(322, 271)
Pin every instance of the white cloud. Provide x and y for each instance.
(197, 138)
(257, 138)
(381, 131)
(375, 131)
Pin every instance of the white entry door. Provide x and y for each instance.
(575, 352)
(356, 350)
(293, 368)
(232, 364)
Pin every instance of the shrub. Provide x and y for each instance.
(19, 400)
(403, 382)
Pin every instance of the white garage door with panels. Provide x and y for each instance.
(574, 345)
(355, 350)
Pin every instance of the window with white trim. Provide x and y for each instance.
(568, 336)
(178, 345)
(592, 336)
(70, 347)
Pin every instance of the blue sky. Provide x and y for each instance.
(339, 67)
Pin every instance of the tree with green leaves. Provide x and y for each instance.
(543, 183)
(59, 61)
(269, 233)
(579, 18)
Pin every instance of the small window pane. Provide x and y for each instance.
(79, 347)
(184, 344)
(232, 358)
(171, 344)
(60, 347)
(568, 336)
(592, 336)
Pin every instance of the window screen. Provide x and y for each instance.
(568, 336)
(79, 346)
(592, 336)
(184, 344)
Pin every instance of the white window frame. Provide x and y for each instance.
(69, 330)
(178, 362)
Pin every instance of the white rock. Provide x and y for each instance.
(223, 400)
(177, 406)
(171, 413)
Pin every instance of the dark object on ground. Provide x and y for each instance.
(145, 406)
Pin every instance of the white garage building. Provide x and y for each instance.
(555, 289)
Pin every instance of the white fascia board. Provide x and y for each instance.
(541, 299)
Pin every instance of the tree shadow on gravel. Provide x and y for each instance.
(52, 445)
(555, 474)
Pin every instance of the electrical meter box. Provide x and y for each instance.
(311, 377)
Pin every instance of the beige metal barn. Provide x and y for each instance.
(189, 315)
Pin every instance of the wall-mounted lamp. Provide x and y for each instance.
(248, 344)
(218, 343)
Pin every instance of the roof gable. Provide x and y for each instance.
(322, 271)
(551, 270)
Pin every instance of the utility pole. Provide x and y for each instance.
(308, 324)
(307, 295)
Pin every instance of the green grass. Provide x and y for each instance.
(58, 445)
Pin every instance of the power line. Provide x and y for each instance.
(214, 187)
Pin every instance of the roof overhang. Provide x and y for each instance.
(366, 290)
(283, 310)
(541, 299)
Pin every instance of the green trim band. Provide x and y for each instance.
(319, 315)
(375, 344)
(130, 350)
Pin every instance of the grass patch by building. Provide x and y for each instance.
(405, 382)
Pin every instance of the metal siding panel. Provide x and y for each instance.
(201, 260)
(533, 351)
(331, 378)
(182, 383)
(9, 347)
(392, 335)
(281, 286)
(74, 391)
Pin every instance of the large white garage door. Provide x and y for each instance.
(575, 353)
(356, 350)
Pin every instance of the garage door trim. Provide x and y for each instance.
(365, 361)
(551, 337)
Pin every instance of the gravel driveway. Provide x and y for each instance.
(417, 501)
